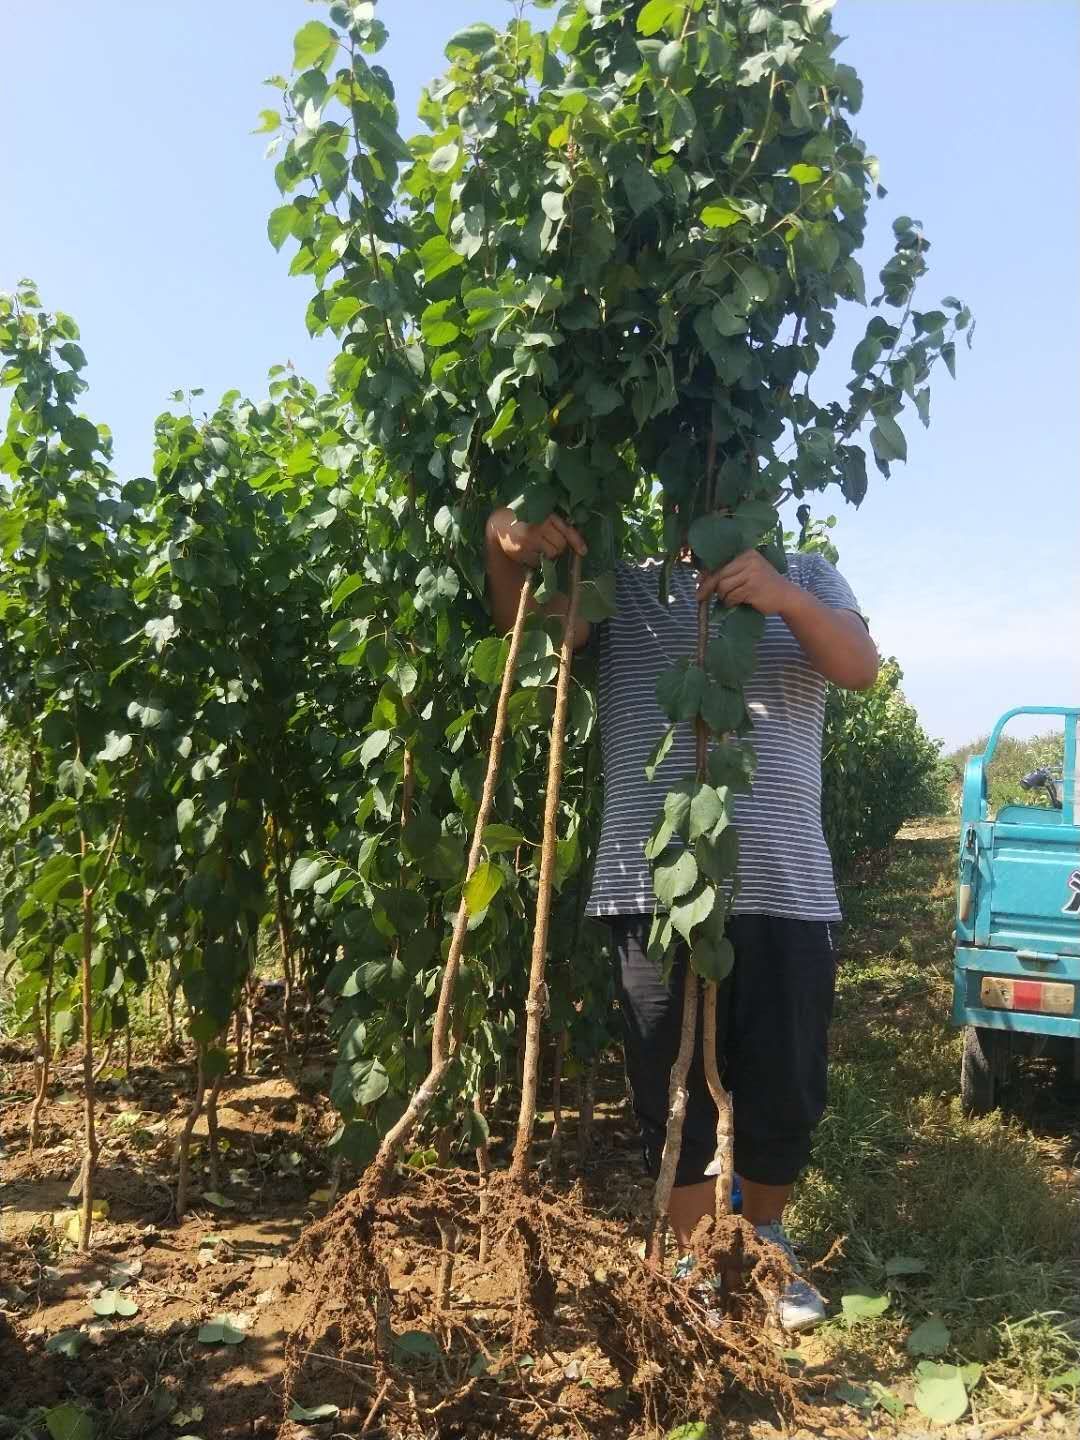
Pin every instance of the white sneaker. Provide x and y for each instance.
(800, 1307)
(705, 1291)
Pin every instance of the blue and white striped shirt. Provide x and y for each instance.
(784, 863)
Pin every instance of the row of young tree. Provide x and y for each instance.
(260, 688)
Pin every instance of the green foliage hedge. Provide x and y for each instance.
(1013, 758)
(879, 767)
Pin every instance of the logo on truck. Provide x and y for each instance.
(1072, 904)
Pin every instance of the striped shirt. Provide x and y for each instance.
(784, 863)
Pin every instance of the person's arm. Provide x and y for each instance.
(836, 642)
(512, 549)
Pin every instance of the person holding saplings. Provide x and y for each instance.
(775, 1007)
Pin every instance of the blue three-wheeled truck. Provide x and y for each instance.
(1017, 974)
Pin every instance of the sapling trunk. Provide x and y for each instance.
(535, 1005)
(213, 1147)
(722, 1101)
(249, 1014)
(557, 1060)
(449, 1235)
(677, 1093)
(586, 1112)
(677, 1099)
(170, 1007)
(721, 1098)
(90, 1145)
(394, 1140)
(101, 1065)
(284, 937)
(483, 1168)
(183, 1173)
(127, 1049)
(43, 1025)
(238, 1041)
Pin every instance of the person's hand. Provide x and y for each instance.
(528, 545)
(749, 579)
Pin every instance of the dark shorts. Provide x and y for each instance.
(773, 1014)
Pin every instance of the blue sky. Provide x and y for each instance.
(137, 198)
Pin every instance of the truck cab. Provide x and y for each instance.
(1017, 963)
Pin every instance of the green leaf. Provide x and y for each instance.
(482, 886)
(940, 1393)
(719, 217)
(674, 877)
(280, 225)
(313, 1412)
(116, 746)
(723, 708)
(416, 1344)
(68, 1422)
(435, 327)
(66, 1342)
(269, 121)
(866, 354)
(679, 690)
(805, 174)
(112, 1302)
(185, 815)
(905, 1265)
(374, 1085)
(752, 286)
(890, 1403)
(671, 57)
(888, 439)
(553, 204)
(692, 909)
(444, 159)
(437, 257)
(498, 838)
(716, 539)
(502, 421)
(220, 1331)
(472, 40)
(305, 872)
(695, 1430)
(659, 753)
(861, 1306)
(343, 590)
(489, 660)
(659, 840)
(732, 654)
(1064, 1380)
(932, 1337)
(654, 14)
(713, 958)
(706, 808)
(313, 44)
(641, 189)
(374, 746)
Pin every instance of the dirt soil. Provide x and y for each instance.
(148, 1374)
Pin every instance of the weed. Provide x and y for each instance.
(901, 1171)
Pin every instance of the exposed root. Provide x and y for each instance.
(560, 1282)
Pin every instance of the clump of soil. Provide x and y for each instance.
(563, 1331)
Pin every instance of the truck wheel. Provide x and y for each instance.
(981, 1069)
